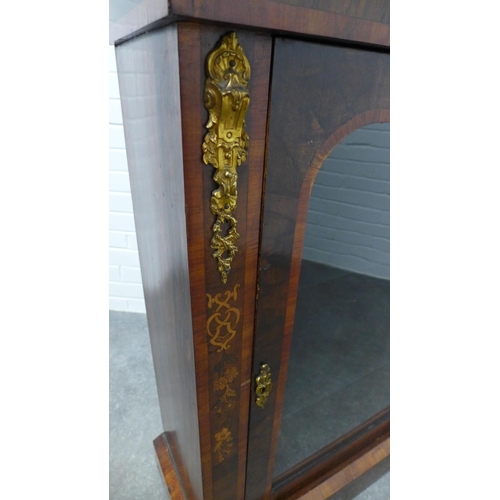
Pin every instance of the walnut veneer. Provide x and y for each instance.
(319, 70)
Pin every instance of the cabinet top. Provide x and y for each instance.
(365, 21)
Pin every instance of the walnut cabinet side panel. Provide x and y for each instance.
(150, 95)
(201, 328)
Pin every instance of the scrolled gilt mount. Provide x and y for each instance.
(226, 143)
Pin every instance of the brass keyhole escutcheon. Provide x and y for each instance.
(263, 385)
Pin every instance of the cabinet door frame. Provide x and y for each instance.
(319, 94)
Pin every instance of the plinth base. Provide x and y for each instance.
(168, 469)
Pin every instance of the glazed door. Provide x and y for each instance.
(321, 352)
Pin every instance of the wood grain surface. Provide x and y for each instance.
(151, 107)
(167, 467)
(348, 474)
(223, 400)
(363, 21)
(359, 21)
(320, 93)
(204, 393)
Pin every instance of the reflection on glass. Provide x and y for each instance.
(338, 375)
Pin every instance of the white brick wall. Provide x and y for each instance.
(125, 283)
(348, 219)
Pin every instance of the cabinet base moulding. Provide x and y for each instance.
(354, 477)
(347, 482)
(167, 468)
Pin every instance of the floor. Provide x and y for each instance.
(134, 417)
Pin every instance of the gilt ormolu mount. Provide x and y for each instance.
(226, 143)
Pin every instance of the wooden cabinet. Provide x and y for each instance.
(230, 109)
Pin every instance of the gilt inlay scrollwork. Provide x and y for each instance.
(221, 325)
(221, 328)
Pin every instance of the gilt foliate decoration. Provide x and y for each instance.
(226, 142)
(221, 328)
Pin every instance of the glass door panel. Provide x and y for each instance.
(321, 323)
(338, 372)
